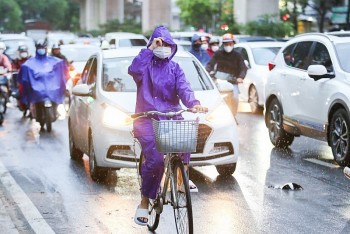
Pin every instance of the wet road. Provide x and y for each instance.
(68, 201)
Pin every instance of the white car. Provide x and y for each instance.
(257, 55)
(99, 118)
(307, 93)
(125, 39)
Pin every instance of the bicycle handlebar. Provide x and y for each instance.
(168, 114)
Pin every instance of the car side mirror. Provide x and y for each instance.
(81, 90)
(317, 72)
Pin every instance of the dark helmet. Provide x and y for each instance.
(55, 46)
(41, 44)
(22, 48)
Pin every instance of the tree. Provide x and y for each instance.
(11, 21)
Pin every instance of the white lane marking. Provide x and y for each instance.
(313, 160)
(5, 221)
(33, 216)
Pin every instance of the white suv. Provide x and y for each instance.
(308, 93)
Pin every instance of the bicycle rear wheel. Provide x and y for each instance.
(153, 217)
(181, 198)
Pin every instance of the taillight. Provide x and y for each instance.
(271, 66)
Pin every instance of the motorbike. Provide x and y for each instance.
(17, 93)
(45, 113)
(4, 93)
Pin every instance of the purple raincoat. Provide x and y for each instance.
(161, 84)
(43, 77)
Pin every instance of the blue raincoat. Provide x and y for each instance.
(199, 53)
(43, 78)
(161, 84)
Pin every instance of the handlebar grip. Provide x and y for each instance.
(137, 115)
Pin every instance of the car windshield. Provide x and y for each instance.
(132, 42)
(343, 51)
(117, 79)
(262, 56)
(78, 54)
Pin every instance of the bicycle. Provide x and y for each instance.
(173, 137)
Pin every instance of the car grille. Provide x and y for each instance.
(203, 133)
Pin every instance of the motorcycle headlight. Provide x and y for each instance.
(221, 115)
(114, 118)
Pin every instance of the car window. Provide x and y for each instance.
(262, 56)
(132, 42)
(320, 56)
(300, 54)
(343, 51)
(116, 77)
(84, 74)
(92, 73)
(287, 55)
(243, 52)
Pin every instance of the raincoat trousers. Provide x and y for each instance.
(161, 84)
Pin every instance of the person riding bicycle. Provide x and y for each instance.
(161, 84)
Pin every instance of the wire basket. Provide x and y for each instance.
(176, 136)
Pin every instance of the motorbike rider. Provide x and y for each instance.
(4, 60)
(213, 46)
(17, 89)
(197, 51)
(230, 64)
(43, 79)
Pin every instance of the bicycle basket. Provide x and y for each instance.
(176, 136)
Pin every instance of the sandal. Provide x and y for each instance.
(140, 216)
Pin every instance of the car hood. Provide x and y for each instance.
(126, 101)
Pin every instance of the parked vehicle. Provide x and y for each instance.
(100, 125)
(307, 93)
(257, 55)
(125, 39)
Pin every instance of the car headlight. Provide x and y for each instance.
(222, 115)
(114, 118)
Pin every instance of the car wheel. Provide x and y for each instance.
(340, 136)
(226, 170)
(75, 154)
(278, 137)
(253, 100)
(97, 174)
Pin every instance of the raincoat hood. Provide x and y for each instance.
(194, 38)
(162, 31)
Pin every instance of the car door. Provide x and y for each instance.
(79, 119)
(296, 57)
(315, 94)
(85, 105)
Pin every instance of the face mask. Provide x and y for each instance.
(228, 49)
(41, 51)
(24, 55)
(162, 52)
(204, 46)
(215, 48)
(197, 46)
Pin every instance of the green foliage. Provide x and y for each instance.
(116, 26)
(269, 25)
(11, 21)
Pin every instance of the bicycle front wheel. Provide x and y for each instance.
(181, 198)
(153, 217)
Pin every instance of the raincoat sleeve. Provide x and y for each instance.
(24, 80)
(140, 63)
(184, 89)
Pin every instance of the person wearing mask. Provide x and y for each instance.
(227, 64)
(197, 51)
(161, 84)
(213, 46)
(4, 60)
(43, 78)
(17, 89)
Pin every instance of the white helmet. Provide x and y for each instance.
(2, 46)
